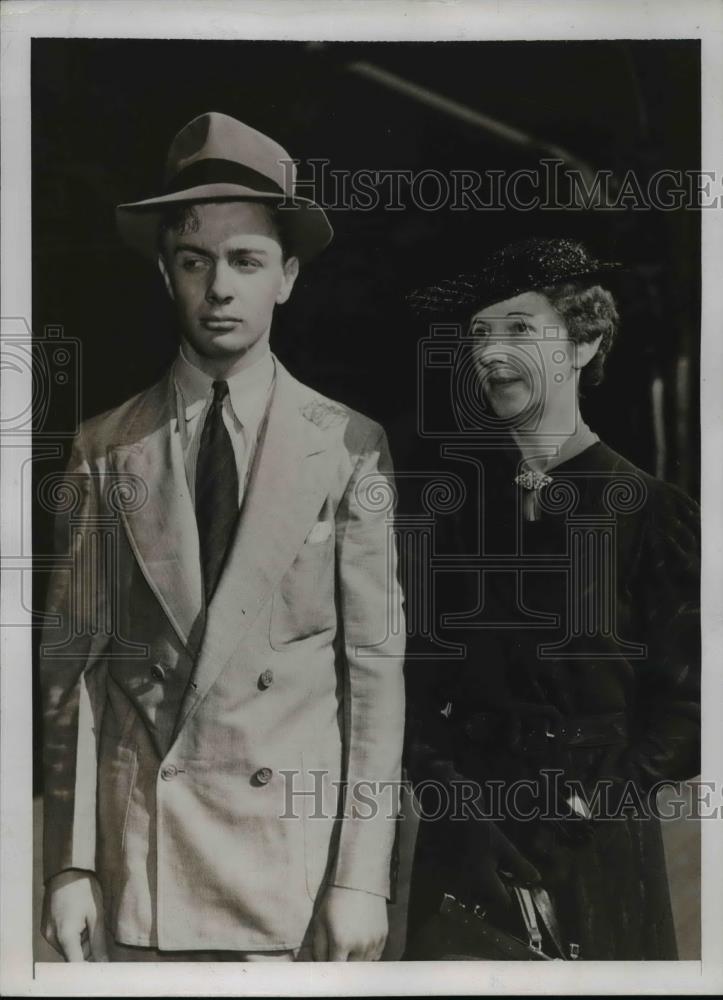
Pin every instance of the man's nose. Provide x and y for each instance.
(220, 288)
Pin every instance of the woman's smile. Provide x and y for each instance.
(500, 377)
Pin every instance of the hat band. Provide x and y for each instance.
(218, 171)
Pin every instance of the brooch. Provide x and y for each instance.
(533, 480)
(532, 483)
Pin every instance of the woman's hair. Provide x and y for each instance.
(182, 218)
(588, 312)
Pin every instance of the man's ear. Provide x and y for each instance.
(585, 352)
(166, 277)
(291, 273)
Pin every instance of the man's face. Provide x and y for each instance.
(225, 279)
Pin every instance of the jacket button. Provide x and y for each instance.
(169, 772)
(158, 672)
(264, 775)
(266, 679)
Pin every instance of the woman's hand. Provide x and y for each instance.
(492, 862)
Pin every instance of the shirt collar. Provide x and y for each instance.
(247, 388)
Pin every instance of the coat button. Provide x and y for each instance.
(266, 679)
(169, 772)
(158, 672)
(264, 775)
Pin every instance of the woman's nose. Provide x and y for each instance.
(499, 353)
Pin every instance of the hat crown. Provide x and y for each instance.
(540, 256)
(216, 157)
(528, 265)
(215, 136)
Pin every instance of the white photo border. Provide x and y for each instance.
(336, 20)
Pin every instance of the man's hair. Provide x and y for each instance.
(588, 312)
(182, 218)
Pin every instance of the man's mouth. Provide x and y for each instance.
(220, 323)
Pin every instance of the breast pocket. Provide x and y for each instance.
(304, 603)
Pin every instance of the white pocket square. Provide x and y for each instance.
(319, 533)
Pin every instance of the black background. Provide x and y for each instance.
(104, 112)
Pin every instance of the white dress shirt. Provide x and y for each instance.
(244, 409)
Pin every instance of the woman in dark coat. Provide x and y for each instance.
(579, 690)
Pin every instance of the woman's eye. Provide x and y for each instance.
(520, 327)
(479, 330)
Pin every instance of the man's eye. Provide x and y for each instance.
(193, 264)
(247, 263)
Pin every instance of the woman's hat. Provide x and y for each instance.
(216, 157)
(526, 266)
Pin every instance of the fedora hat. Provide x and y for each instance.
(525, 266)
(216, 158)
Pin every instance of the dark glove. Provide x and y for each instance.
(490, 863)
(551, 839)
(574, 824)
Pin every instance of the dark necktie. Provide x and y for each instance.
(216, 491)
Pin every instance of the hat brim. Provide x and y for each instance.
(306, 227)
(471, 291)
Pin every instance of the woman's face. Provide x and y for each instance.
(524, 358)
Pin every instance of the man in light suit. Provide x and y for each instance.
(222, 671)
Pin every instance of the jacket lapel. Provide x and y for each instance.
(162, 531)
(285, 493)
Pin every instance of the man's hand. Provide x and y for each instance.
(73, 917)
(350, 926)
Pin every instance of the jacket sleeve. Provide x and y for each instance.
(665, 744)
(374, 637)
(72, 685)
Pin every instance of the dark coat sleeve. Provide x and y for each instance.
(665, 741)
